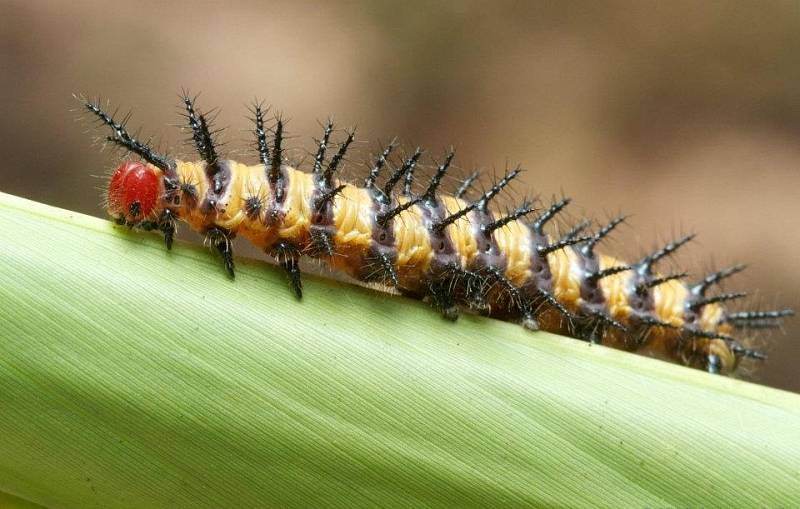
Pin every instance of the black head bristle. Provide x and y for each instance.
(122, 138)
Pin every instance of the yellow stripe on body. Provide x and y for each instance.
(710, 319)
(352, 219)
(514, 240)
(193, 173)
(413, 244)
(297, 207)
(245, 181)
(253, 183)
(460, 232)
(352, 216)
(615, 288)
(567, 273)
(670, 302)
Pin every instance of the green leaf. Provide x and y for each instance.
(11, 502)
(135, 377)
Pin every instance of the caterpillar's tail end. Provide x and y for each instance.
(725, 352)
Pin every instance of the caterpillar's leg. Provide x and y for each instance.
(520, 301)
(475, 290)
(288, 256)
(442, 299)
(529, 320)
(592, 331)
(166, 225)
(321, 242)
(379, 267)
(713, 364)
(388, 269)
(220, 238)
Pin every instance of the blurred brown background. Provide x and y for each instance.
(684, 114)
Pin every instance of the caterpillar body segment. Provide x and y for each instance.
(454, 252)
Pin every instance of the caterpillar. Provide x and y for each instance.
(456, 252)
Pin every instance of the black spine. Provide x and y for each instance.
(522, 211)
(436, 180)
(465, 186)
(384, 217)
(274, 170)
(480, 203)
(201, 135)
(319, 158)
(407, 166)
(700, 288)
(561, 244)
(549, 214)
(380, 162)
(261, 135)
(588, 248)
(336, 160)
(122, 138)
(646, 263)
(328, 196)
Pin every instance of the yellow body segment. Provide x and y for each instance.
(414, 253)
(296, 207)
(670, 302)
(565, 267)
(515, 241)
(615, 289)
(461, 232)
(193, 173)
(353, 220)
(251, 184)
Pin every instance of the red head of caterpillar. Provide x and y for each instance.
(133, 192)
(455, 251)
